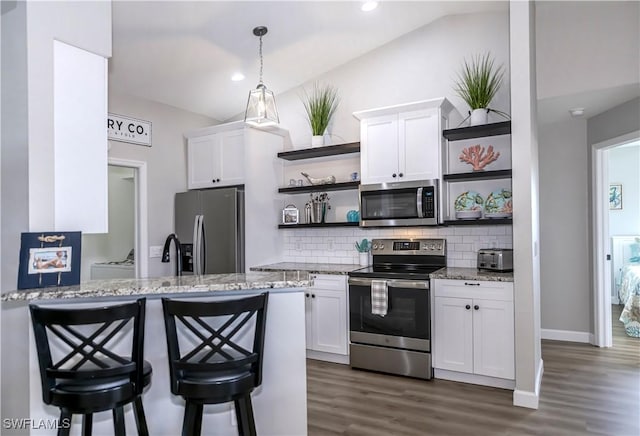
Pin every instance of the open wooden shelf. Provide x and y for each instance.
(329, 150)
(320, 188)
(492, 129)
(478, 222)
(478, 175)
(307, 226)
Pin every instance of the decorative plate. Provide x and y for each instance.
(499, 204)
(469, 201)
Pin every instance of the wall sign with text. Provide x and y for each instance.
(128, 129)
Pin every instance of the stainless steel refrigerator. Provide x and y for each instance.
(210, 226)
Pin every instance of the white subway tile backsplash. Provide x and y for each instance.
(338, 245)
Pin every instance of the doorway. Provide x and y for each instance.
(122, 252)
(602, 231)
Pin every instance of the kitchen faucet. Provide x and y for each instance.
(165, 252)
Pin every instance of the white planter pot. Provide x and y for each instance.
(317, 140)
(364, 259)
(479, 116)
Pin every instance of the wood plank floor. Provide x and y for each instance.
(585, 391)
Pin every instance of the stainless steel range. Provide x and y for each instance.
(389, 307)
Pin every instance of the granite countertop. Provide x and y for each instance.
(471, 274)
(312, 268)
(165, 285)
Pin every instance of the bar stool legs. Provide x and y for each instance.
(192, 424)
(138, 413)
(244, 416)
(64, 426)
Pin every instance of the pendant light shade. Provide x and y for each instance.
(261, 105)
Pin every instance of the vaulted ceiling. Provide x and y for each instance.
(184, 53)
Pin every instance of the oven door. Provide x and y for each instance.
(407, 322)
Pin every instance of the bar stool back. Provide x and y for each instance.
(207, 363)
(84, 375)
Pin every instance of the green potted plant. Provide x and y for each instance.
(477, 84)
(320, 105)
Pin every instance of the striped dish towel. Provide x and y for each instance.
(379, 297)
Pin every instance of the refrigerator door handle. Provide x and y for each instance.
(203, 243)
(195, 251)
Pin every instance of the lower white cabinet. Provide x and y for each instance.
(326, 314)
(474, 328)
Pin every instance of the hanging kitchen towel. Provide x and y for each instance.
(379, 297)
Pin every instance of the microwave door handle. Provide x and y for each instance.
(419, 202)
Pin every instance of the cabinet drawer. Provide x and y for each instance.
(488, 290)
(329, 282)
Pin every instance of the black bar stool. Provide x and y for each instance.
(89, 377)
(207, 365)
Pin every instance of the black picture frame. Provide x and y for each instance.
(49, 259)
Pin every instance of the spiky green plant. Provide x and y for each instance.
(478, 82)
(320, 105)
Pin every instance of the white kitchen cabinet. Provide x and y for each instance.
(474, 328)
(326, 316)
(404, 142)
(216, 159)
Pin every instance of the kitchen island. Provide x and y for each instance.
(280, 405)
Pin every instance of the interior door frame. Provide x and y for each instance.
(602, 323)
(141, 263)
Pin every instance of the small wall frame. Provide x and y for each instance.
(615, 196)
(49, 259)
(290, 215)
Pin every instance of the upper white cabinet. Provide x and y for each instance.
(80, 139)
(403, 142)
(216, 159)
(474, 328)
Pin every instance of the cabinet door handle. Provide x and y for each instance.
(471, 284)
(476, 307)
(307, 295)
(394, 175)
(313, 295)
(468, 306)
(400, 175)
(213, 180)
(217, 180)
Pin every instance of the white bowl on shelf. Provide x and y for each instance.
(468, 214)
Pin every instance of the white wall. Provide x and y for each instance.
(86, 25)
(418, 66)
(624, 168)
(564, 241)
(594, 44)
(526, 207)
(14, 198)
(115, 245)
(166, 162)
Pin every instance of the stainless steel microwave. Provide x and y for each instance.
(400, 204)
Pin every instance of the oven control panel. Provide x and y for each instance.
(422, 247)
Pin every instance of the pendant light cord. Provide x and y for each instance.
(261, 62)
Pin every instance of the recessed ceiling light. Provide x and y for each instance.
(576, 112)
(237, 77)
(368, 6)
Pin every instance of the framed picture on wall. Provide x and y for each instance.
(615, 196)
(49, 259)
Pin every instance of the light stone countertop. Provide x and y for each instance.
(471, 274)
(165, 285)
(311, 268)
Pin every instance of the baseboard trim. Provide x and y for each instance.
(566, 335)
(328, 357)
(529, 399)
(483, 380)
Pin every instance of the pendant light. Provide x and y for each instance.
(261, 106)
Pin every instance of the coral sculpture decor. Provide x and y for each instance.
(475, 156)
